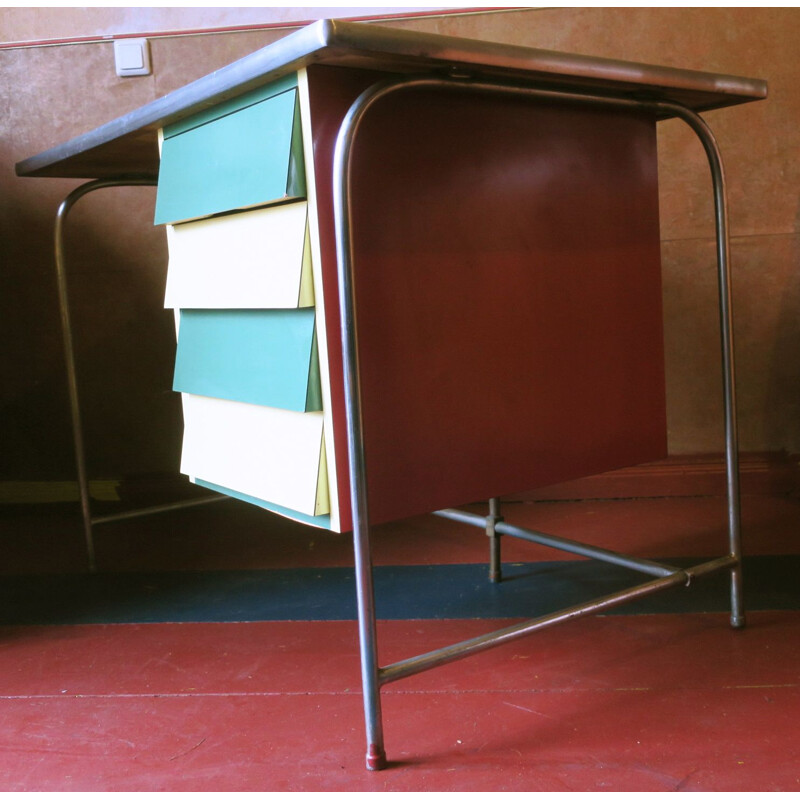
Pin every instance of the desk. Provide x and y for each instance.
(411, 272)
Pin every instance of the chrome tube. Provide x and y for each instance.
(590, 551)
(416, 664)
(365, 593)
(160, 509)
(373, 676)
(704, 133)
(467, 517)
(69, 350)
(357, 469)
(567, 545)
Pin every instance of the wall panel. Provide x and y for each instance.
(50, 94)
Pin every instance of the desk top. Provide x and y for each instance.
(127, 146)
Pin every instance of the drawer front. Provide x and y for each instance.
(268, 358)
(253, 259)
(248, 157)
(269, 454)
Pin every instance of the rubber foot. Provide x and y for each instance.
(738, 622)
(495, 577)
(376, 758)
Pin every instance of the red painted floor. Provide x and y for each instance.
(623, 703)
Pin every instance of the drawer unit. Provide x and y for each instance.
(232, 191)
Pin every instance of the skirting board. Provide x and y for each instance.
(677, 476)
(35, 492)
(773, 473)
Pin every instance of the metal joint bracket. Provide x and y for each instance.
(493, 518)
(495, 560)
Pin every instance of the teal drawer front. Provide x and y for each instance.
(266, 358)
(248, 157)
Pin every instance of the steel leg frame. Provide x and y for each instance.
(374, 676)
(72, 382)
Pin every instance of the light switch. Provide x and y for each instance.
(132, 57)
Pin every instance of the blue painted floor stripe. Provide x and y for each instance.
(454, 591)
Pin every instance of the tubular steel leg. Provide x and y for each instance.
(495, 562)
(69, 350)
(703, 132)
(365, 595)
(372, 675)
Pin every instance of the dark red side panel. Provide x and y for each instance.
(508, 292)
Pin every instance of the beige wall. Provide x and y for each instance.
(117, 261)
(33, 24)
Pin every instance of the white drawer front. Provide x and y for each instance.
(253, 259)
